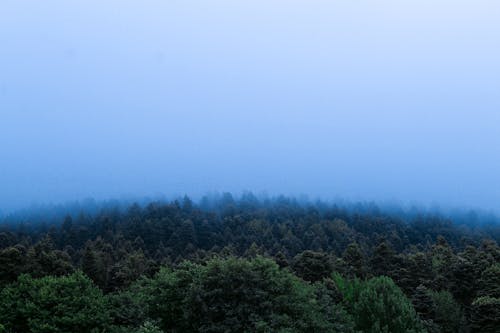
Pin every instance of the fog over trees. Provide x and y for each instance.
(228, 264)
(350, 149)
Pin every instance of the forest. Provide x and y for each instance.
(249, 265)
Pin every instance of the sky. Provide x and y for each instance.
(360, 100)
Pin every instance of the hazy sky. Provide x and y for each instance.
(357, 99)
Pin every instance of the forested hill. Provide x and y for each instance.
(249, 265)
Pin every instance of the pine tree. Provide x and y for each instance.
(381, 306)
(281, 259)
(423, 303)
(53, 304)
(312, 266)
(93, 266)
(383, 260)
(448, 313)
(489, 284)
(354, 260)
(485, 315)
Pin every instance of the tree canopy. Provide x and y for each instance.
(248, 266)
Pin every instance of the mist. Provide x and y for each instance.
(383, 101)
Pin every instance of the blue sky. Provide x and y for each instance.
(364, 100)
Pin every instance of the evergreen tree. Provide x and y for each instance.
(354, 259)
(53, 304)
(312, 266)
(12, 263)
(423, 303)
(281, 259)
(379, 306)
(235, 295)
(485, 315)
(383, 259)
(149, 327)
(489, 283)
(448, 314)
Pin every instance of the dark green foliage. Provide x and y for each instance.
(448, 314)
(438, 311)
(330, 301)
(423, 303)
(149, 327)
(281, 259)
(383, 260)
(449, 271)
(489, 283)
(312, 266)
(53, 304)
(12, 263)
(98, 260)
(485, 315)
(414, 269)
(462, 280)
(129, 269)
(354, 260)
(378, 305)
(442, 260)
(235, 295)
(128, 308)
(43, 259)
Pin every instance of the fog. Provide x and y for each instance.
(360, 100)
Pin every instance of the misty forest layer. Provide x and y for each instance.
(249, 265)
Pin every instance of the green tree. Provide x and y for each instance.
(443, 259)
(489, 283)
(281, 259)
(312, 266)
(354, 260)
(485, 315)
(97, 261)
(12, 263)
(415, 270)
(329, 299)
(42, 259)
(383, 259)
(128, 308)
(125, 272)
(379, 306)
(448, 314)
(53, 304)
(149, 327)
(234, 295)
(425, 307)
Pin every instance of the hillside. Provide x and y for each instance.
(250, 265)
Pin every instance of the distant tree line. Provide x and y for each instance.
(249, 265)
